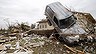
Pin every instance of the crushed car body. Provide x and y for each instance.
(68, 22)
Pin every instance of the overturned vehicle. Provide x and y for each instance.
(70, 27)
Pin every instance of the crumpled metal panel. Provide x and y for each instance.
(75, 29)
(60, 11)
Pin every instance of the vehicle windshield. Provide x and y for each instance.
(68, 22)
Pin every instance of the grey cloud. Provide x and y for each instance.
(33, 10)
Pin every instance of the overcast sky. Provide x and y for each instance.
(33, 10)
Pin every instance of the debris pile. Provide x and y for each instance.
(34, 44)
(72, 33)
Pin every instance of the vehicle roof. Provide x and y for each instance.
(60, 11)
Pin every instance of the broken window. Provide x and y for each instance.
(56, 21)
(65, 23)
(49, 23)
